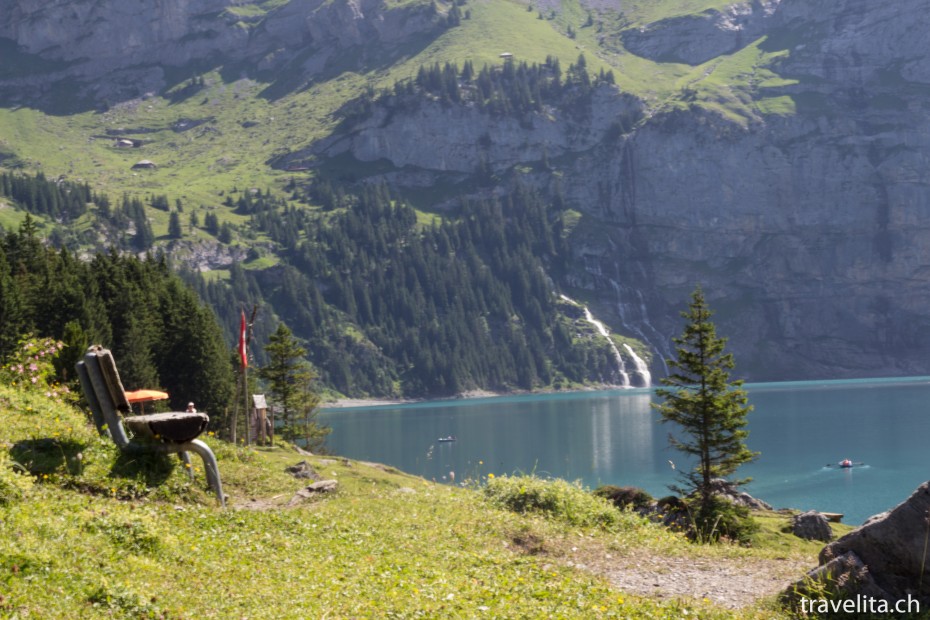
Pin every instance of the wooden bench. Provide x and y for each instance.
(166, 433)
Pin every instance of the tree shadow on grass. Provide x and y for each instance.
(149, 468)
(48, 455)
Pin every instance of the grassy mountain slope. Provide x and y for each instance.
(222, 135)
(214, 134)
(88, 533)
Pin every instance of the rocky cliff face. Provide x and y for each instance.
(695, 39)
(116, 49)
(810, 233)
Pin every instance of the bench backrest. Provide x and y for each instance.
(104, 392)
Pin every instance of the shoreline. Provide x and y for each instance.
(350, 403)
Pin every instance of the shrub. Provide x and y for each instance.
(32, 367)
(672, 504)
(719, 519)
(566, 501)
(625, 497)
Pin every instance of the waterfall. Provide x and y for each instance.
(602, 330)
(600, 327)
(642, 368)
(632, 309)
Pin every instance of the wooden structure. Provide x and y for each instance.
(263, 426)
(166, 433)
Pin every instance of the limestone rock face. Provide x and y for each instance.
(696, 39)
(458, 139)
(809, 232)
(118, 49)
(884, 557)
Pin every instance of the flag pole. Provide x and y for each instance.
(248, 343)
(245, 338)
(244, 364)
(248, 412)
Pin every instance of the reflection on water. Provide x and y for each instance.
(621, 434)
(615, 438)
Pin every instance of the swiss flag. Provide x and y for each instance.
(242, 350)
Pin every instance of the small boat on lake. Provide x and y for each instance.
(846, 464)
(446, 439)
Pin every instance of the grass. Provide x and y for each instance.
(642, 12)
(89, 534)
(245, 130)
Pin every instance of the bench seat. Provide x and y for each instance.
(166, 433)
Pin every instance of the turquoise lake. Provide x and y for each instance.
(614, 437)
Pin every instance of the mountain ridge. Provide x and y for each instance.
(782, 172)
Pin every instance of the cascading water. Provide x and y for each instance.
(642, 368)
(621, 365)
(632, 309)
(602, 330)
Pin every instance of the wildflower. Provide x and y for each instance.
(33, 367)
(490, 476)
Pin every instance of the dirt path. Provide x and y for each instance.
(729, 582)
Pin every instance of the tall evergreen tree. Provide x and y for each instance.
(290, 380)
(709, 408)
(174, 225)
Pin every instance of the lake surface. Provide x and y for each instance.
(614, 437)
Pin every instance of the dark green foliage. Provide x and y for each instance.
(719, 519)
(387, 307)
(160, 202)
(161, 334)
(512, 88)
(710, 409)
(64, 200)
(174, 225)
(672, 504)
(211, 223)
(290, 380)
(625, 497)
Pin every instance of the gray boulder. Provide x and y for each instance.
(304, 471)
(811, 525)
(315, 489)
(885, 558)
(730, 491)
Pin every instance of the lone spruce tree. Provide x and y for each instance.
(290, 379)
(711, 411)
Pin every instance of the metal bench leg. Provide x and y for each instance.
(186, 459)
(209, 465)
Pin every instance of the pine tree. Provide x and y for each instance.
(290, 380)
(710, 409)
(174, 225)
